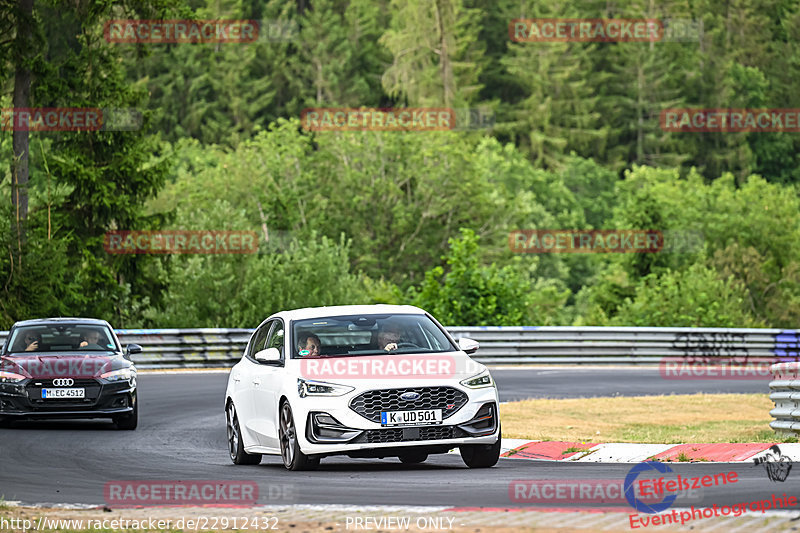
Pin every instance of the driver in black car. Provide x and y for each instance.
(91, 340)
(388, 337)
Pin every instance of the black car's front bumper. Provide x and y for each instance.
(102, 399)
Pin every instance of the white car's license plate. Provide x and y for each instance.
(417, 417)
(63, 393)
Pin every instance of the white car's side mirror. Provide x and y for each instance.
(468, 345)
(268, 355)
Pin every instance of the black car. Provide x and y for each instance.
(67, 368)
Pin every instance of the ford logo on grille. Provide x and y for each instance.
(409, 396)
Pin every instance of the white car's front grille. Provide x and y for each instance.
(370, 404)
(373, 436)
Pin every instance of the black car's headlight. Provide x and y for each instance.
(10, 377)
(484, 379)
(307, 387)
(123, 374)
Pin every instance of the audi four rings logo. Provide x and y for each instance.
(63, 382)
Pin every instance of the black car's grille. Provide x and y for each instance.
(370, 404)
(91, 392)
(377, 436)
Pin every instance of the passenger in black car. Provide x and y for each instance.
(32, 341)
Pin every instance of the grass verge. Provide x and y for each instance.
(675, 419)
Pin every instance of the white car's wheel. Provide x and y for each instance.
(235, 445)
(293, 458)
(481, 455)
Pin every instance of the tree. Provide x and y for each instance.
(437, 56)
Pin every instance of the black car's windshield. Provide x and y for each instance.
(354, 335)
(60, 338)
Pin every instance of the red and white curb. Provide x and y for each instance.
(620, 452)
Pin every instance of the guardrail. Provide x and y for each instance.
(784, 390)
(188, 348)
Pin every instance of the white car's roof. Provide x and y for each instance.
(339, 310)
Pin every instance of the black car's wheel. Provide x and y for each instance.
(293, 458)
(413, 457)
(481, 455)
(235, 444)
(5, 422)
(129, 421)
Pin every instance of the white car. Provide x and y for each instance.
(364, 381)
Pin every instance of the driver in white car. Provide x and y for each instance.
(388, 337)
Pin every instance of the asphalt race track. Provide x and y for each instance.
(181, 436)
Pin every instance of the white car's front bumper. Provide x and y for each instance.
(358, 433)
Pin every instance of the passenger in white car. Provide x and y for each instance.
(310, 343)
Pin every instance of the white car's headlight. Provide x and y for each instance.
(119, 375)
(307, 387)
(10, 377)
(484, 379)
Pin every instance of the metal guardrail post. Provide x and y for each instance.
(784, 390)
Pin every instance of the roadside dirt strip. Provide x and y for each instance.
(326, 518)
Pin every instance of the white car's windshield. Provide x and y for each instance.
(44, 339)
(354, 335)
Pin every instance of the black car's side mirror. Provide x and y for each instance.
(132, 349)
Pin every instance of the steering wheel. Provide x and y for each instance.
(407, 345)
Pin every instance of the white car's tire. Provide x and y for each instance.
(481, 455)
(235, 444)
(293, 458)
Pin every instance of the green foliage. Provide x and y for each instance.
(469, 293)
(367, 216)
(695, 297)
